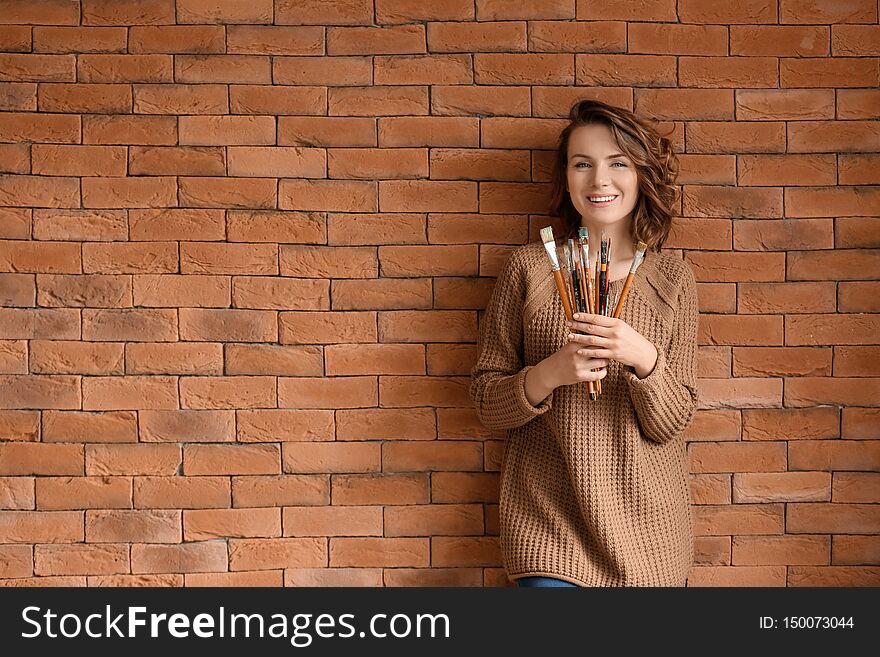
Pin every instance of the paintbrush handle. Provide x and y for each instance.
(563, 293)
(623, 294)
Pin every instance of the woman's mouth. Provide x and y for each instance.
(602, 201)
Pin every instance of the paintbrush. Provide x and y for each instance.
(637, 261)
(550, 246)
(586, 280)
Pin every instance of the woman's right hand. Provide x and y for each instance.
(563, 367)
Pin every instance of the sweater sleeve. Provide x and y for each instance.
(666, 399)
(498, 377)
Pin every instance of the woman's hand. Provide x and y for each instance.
(613, 339)
(563, 367)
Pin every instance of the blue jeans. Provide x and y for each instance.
(531, 582)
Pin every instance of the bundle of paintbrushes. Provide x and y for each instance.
(570, 263)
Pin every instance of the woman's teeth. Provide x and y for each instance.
(601, 199)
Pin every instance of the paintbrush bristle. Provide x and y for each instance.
(547, 234)
(641, 246)
(584, 232)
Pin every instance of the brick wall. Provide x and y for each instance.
(244, 246)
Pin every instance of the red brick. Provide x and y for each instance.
(281, 293)
(855, 486)
(375, 229)
(836, 265)
(22, 67)
(129, 526)
(322, 71)
(712, 550)
(345, 359)
(779, 41)
(832, 329)
(208, 258)
(408, 11)
(73, 426)
(227, 392)
(628, 70)
(135, 324)
(80, 39)
(380, 552)
(710, 488)
(180, 99)
(330, 457)
(274, 40)
(488, 10)
(264, 99)
(747, 11)
(857, 103)
(749, 203)
(285, 553)
(834, 455)
(374, 164)
(855, 550)
(520, 133)
(860, 423)
(811, 391)
(62, 357)
(409, 391)
(177, 39)
(222, 523)
(466, 551)
(38, 191)
(823, 518)
(124, 68)
(464, 487)
(332, 521)
(386, 424)
(857, 361)
(125, 12)
(224, 11)
(376, 40)
(672, 39)
(782, 550)
(481, 100)
(181, 290)
(728, 519)
(685, 104)
(103, 460)
(790, 424)
(130, 192)
(476, 37)
(456, 456)
(741, 392)
(858, 170)
(409, 261)
(19, 96)
(273, 425)
(17, 38)
(45, 391)
(273, 226)
(434, 520)
(788, 170)
(422, 69)
(337, 393)
(739, 137)
(553, 36)
(522, 69)
(740, 329)
(717, 297)
(828, 72)
(129, 130)
(44, 527)
(839, 576)
(285, 490)
(326, 131)
(738, 457)
(58, 160)
(181, 492)
(378, 100)
(378, 489)
(810, 11)
(737, 266)
(781, 487)
(222, 69)
(323, 12)
(202, 557)
(857, 232)
(80, 559)
(859, 297)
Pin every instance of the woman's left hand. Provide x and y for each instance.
(614, 339)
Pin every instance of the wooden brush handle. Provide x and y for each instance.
(563, 293)
(623, 294)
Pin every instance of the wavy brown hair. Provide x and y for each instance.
(650, 152)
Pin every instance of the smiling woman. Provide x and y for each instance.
(595, 492)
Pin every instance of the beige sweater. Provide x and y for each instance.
(592, 492)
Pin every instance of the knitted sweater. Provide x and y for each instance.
(592, 492)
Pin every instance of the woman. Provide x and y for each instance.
(596, 493)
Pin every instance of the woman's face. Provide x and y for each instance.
(596, 168)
